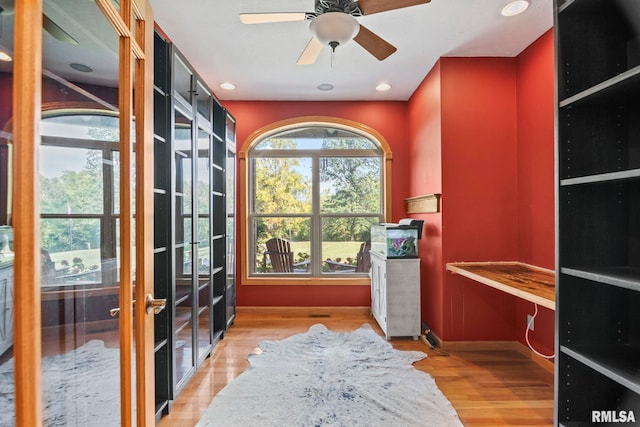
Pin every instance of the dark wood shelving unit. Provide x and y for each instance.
(598, 209)
(191, 216)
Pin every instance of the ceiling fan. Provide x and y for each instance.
(333, 23)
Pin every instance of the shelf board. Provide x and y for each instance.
(623, 277)
(217, 335)
(159, 250)
(160, 91)
(159, 191)
(157, 346)
(203, 285)
(182, 293)
(183, 318)
(618, 87)
(618, 363)
(531, 283)
(603, 177)
(202, 310)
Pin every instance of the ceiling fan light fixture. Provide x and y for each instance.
(383, 87)
(4, 56)
(334, 28)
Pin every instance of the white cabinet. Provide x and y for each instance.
(6, 308)
(395, 295)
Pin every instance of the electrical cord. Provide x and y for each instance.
(526, 336)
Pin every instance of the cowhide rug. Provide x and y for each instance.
(325, 378)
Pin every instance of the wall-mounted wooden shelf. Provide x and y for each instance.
(531, 283)
(429, 203)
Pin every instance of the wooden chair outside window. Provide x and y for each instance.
(363, 258)
(279, 254)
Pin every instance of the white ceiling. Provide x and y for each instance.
(261, 59)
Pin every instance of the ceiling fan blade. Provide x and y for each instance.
(368, 7)
(374, 44)
(311, 52)
(56, 31)
(263, 18)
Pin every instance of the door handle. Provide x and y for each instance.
(155, 305)
(115, 311)
(152, 305)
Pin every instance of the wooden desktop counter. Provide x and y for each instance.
(535, 284)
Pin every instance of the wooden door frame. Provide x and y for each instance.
(136, 78)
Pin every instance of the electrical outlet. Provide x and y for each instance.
(530, 322)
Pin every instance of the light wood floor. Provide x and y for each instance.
(487, 387)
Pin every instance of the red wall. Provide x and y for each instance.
(479, 198)
(425, 128)
(388, 119)
(536, 178)
(484, 129)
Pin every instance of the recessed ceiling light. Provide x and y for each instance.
(382, 87)
(325, 86)
(4, 56)
(227, 86)
(81, 67)
(515, 7)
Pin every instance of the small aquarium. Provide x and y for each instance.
(395, 240)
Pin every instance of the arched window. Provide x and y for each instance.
(314, 190)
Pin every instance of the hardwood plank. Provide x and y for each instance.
(498, 387)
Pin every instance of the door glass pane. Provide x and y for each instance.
(6, 232)
(203, 189)
(204, 102)
(80, 345)
(6, 325)
(186, 265)
(182, 80)
(230, 294)
(184, 186)
(71, 180)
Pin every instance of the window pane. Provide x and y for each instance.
(295, 250)
(342, 238)
(316, 138)
(282, 185)
(71, 180)
(350, 185)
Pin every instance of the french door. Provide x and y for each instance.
(79, 202)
